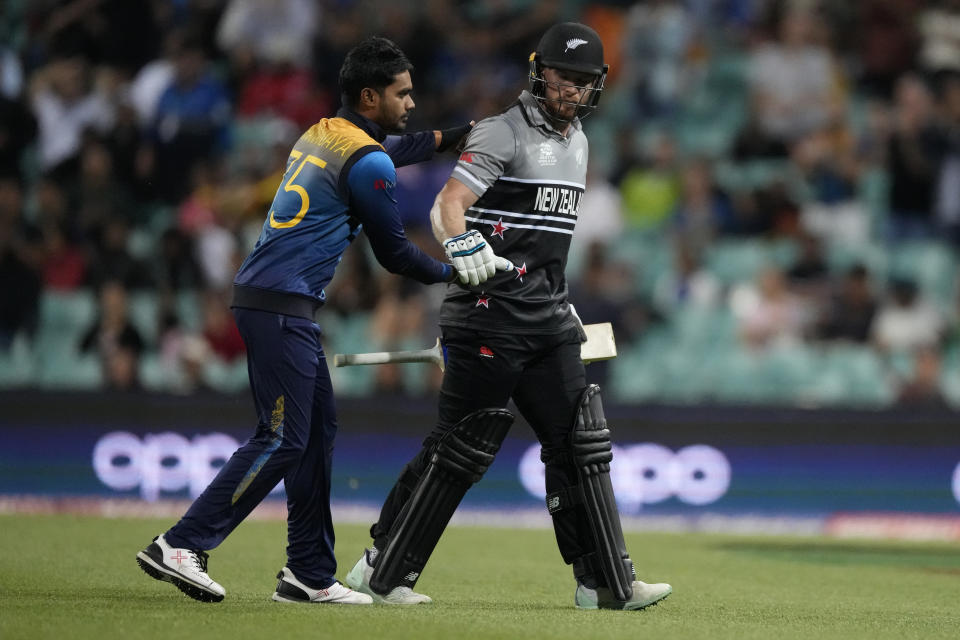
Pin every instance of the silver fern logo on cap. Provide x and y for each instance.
(573, 43)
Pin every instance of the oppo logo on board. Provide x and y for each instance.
(649, 473)
(161, 462)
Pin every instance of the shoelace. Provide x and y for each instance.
(200, 558)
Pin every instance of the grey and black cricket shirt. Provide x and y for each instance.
(530, 180)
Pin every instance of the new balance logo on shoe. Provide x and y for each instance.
(359, 579)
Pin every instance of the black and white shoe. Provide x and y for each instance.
(289, 589)
(185, 568)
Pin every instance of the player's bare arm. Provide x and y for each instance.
(448, 210)
(471, 255)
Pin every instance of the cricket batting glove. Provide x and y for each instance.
(473, 258)
(580, 329)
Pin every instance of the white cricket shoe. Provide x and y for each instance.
(185, 568)
(289, 589)
(359, 579)
(644, 595)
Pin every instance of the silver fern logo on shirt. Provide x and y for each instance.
(573, 43)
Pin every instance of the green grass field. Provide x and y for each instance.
(67, 577)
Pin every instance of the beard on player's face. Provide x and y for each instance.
(395, 123)
(396, 104)
(561, 109)
(564, 92)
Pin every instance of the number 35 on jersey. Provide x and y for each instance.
(290, 186)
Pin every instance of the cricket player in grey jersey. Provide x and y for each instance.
(514, 195)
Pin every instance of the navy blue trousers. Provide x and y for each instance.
(293, 442)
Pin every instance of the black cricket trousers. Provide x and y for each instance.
(544, 376)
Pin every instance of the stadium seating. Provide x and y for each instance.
(58, 363)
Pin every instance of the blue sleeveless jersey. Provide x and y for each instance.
(338, 180)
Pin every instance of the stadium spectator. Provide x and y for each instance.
(873, 137)
(752, 143)
(792, 79)
(17, 131)
(132, 160)
(66, 102)
(602, 205)
(626, 154)
(606, 291)
(704, 211)
(827, 163)
(51, 205)
(768, 210)
(114, 338)
(947, 202)
(144, 91)
(939, 28)
(193, 357)
(887, 43)
(826, 160)
(98, 197)
(191, 122)
(20, 257)
(850, 311)
(658, 36)
(398, 316)
(183, 358)
(277, 88)
(11, 70)
(651, 190)
(121, 369)
(416, 186)
(356, 289)
(201, 216)
(113, 33)
(905, 323)
(337, 35)
(64, 262)
(912, 160)
(252, 30)
(176, 268)
(219, 329)
(923, 387)
(687, 286)
(768, 313)
(809, 274)
(112, 260)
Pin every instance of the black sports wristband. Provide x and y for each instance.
(450, 137)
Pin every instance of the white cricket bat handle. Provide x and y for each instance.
(382, 357)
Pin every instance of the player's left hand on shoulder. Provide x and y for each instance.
(454, 137)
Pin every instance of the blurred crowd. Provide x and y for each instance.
(142, 142)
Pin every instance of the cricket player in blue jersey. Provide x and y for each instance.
(340, 179)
